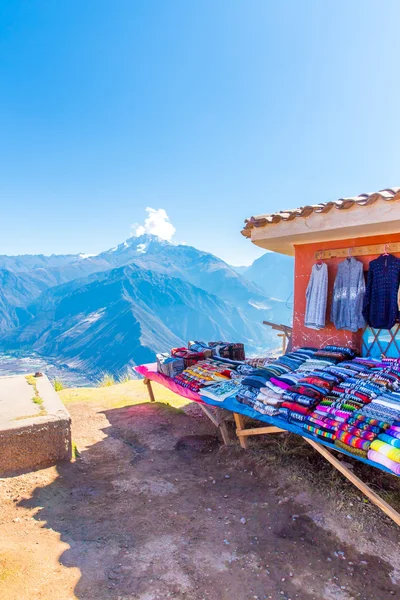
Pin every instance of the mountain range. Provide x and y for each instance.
(116, 309)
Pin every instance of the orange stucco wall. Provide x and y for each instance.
(304, 260)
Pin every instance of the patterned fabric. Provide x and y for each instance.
(352, 440)
(320, 432)
(392, 441)
(384, 460)
(361, 433)
(386, 449)
(351, 449)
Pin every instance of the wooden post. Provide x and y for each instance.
(222, 426)
(283, 336)
(239, 420)
(384, 506)
(147, 382)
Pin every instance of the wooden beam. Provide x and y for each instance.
(209, 414)
(285, 328)
(262, 430)
(363, 487)
(219, 412)
(391, 248)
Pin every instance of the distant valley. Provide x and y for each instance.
(109, 312)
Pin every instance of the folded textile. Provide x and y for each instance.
(307, 391)
(258, 406)
(382, 413)
(291, 416)
(169, 365)
(319, 431)
(384, 460)
(394, 432)
(189, 357)
(279, 383)
(353, 441)
(324, 421)
(371, 421)
(389, 440)
(221, 391)
(296, 407)
(386, 449)
(341, 350)
(355, 422)
(361, 433)
(271, 400)
(332, 410)
(271, 386)
(299, 398)
(350, 449)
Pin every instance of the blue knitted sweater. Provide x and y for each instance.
(380, 302)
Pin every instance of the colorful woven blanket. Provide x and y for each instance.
(386, 449)
(361, 433)
(384, 460)
(351, 449)
(392, 441)
(353, 440)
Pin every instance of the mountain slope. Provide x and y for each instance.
(123, 316)
(16, 292)
(149, 252)
(274, 274)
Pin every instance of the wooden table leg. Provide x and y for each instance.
(379, 502)
(239, 420)
(147, 383)
(222, 426)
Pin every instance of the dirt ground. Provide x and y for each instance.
(153, 507)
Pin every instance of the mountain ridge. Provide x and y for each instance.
(225, 303)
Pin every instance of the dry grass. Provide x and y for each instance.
(36, 399)
(122, 394)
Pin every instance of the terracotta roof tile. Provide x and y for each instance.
(305, 211)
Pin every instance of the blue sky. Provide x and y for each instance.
(211, 111)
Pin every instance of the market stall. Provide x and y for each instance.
(339, 385)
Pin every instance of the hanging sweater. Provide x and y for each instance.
(348, 296)
(316, 296)
(380, 303)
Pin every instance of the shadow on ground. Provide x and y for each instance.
(154, 508)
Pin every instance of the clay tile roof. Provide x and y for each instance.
(305, 211)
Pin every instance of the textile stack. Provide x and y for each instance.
(202, 365)
(349, 402)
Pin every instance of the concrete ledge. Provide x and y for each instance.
(28, 441)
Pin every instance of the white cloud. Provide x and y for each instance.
(156, 223)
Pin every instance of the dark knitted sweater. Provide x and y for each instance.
(380, 308)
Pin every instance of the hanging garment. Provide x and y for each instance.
(380, 303)
(348, 296)
(316, 296)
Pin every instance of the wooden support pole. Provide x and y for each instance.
(218, 420)
(384, 506)
(262, 430)
(209, 414)
(219, 412)
(147, 383)
(239, 420)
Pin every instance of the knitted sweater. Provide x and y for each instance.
(348, 296)
(316, 296)
(380, 303)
